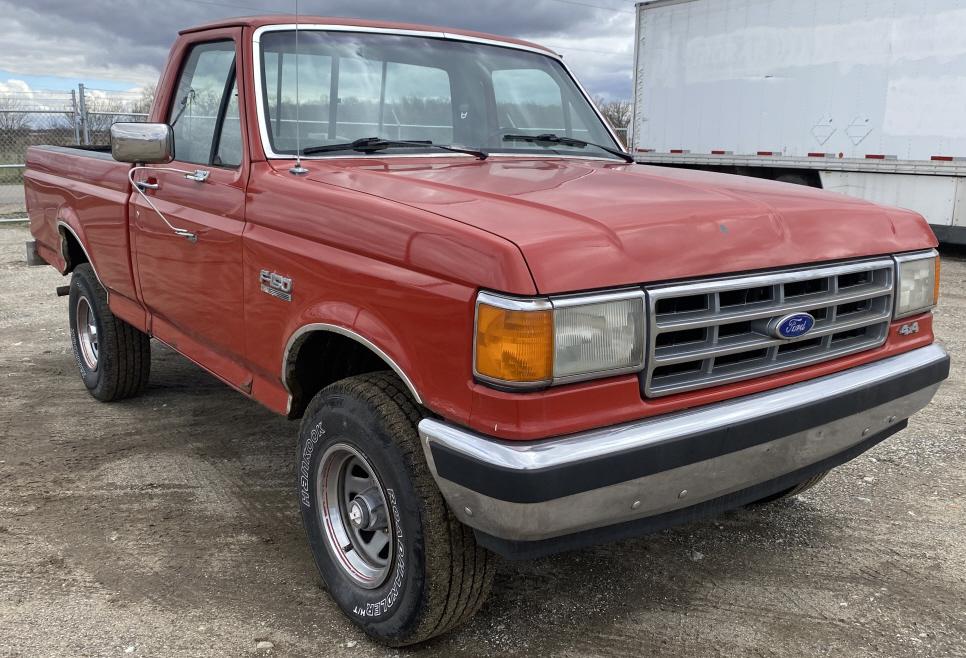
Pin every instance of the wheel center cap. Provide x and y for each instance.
(358, 514)
(366, 511)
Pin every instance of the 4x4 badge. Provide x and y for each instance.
(909, 329)
(276, 285)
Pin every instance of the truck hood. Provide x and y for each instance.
(587, 224)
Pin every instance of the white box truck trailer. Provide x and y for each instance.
(863, 97)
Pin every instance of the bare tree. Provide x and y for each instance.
(105, 110)
(102, 111)
(13, 118)
(617, 112)
(143, 104)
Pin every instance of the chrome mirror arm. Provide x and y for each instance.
(199, 175)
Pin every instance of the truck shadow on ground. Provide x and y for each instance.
(190, 491)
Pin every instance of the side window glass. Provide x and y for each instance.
(229, 152)
(198, 99)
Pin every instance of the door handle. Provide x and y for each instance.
(198, 175)
(144, 185)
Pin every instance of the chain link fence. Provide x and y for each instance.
(61, 118)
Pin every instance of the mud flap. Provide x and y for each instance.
(33, 258)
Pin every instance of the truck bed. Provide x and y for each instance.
(85, 192)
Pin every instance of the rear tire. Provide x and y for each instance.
(114, 358)
(430, 576)
(802, 486)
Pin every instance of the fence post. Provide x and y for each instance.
(75, 120)
(83, 114)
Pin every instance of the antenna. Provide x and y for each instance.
(298, 169)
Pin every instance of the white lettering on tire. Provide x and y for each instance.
(73, 344)
(305, 465)
(384, 605)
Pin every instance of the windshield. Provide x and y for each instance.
(355, 85)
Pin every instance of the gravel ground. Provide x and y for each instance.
(167, 525)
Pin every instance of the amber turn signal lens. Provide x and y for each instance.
(514, 346)
(935, 291)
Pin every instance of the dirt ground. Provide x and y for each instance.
(167, 525)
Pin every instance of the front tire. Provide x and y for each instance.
(802, 486)
(391, 554)
(114, 358)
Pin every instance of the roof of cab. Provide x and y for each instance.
(260, 21)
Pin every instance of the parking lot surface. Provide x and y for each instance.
(167, 525)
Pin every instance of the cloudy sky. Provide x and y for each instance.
(121, 44)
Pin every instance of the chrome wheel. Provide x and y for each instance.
(354, 515)
(87, 333)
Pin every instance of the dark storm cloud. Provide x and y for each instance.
(129, 40)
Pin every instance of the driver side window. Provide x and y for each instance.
(206, 82)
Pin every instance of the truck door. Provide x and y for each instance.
(187, 226)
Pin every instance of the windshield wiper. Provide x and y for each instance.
(550, 138)
(373, 144)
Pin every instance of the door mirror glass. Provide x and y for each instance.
(144, 143)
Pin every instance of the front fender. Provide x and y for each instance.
(361, 325)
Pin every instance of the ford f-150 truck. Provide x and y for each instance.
(500, 334)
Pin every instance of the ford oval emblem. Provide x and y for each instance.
(794, 325)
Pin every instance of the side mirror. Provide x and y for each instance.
(145, 143)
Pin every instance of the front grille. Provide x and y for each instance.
(712, 332)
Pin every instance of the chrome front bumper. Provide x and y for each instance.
(532, 498)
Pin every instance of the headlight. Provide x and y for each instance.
(514, 340)
(535, 342)
(918, 284)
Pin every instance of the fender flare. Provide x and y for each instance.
(348, 333)
(62, 224)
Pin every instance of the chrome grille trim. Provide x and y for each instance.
(711, 332)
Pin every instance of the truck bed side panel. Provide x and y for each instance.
(89, 192)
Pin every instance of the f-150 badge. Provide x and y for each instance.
(276, 285)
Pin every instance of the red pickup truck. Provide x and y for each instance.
(501, 335)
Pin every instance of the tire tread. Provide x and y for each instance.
(470, 567)
(129, 347)
(801, 487)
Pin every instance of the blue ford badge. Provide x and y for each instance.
(793, 326)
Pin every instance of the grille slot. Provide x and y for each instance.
(712, 332)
